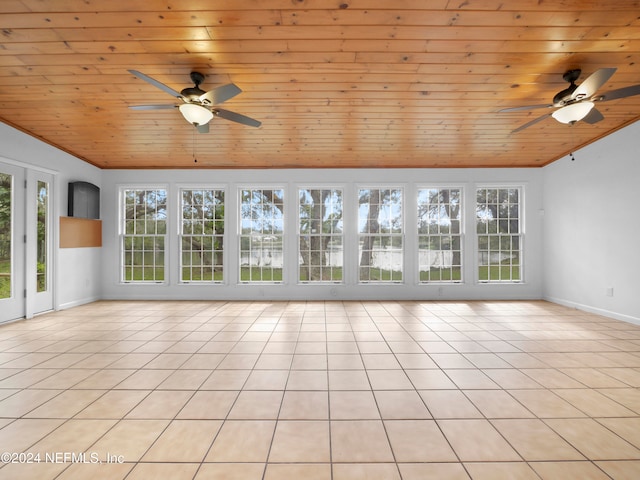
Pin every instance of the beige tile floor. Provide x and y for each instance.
(320, 391)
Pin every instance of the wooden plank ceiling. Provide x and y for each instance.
(336, 83)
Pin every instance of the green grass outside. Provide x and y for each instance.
(329, 274)
(144, 274)
(441, 275)
(247, 274)
(505, 273)
(369, 274)
(5, 278)
(5, 287)
(202, 275)
(260, 274)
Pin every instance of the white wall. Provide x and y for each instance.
(76, 281)
(589, 230)
(410, 180)
(592, 227)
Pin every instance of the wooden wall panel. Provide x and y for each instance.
(80, 232)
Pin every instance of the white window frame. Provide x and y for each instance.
(299, 234)
(521, 237)
(180, 224)
(391, 236)
(123, 234)
(261, 237)
(461, 233)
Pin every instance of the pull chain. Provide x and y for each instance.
(195, 160)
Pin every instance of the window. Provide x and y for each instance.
(320, 235)
(380, 234)
(202, 235)
(42, 247)
(144, 229)
(439, 234)
(261, 235)
(499, 234)
(6, 234)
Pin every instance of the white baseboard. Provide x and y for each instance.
(77, 303)
(594, 310)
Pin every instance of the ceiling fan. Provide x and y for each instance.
(198, 107)
(577, 102)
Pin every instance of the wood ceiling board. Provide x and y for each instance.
(360, 83)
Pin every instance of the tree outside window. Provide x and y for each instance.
(261, 235)
(144, 230)
(320, 235)
(499, 234)
(6, 208)
(440, 234)
(202, 235)
(381, 234)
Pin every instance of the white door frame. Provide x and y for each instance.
(39, 302)
(25, 301)
(14, 307)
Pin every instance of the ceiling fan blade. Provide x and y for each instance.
(151, 107)
(532, 122)
(220, 94)
(619, 93)
(593, 83)
(203, 128)
(527, 107)
(594, 116)
(236, 117)
(155, 83)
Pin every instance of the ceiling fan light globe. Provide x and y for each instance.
(573, 113)
(195, 114)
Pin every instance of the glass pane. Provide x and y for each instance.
(203, 227)
(261, 236)
(144, 228)
(6, 197)
(439, 234)
(498, 213)
(381, 233)
(43, 235)
(320, 237)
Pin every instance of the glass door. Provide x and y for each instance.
(39, 243)
(12, 245)
(26, 242)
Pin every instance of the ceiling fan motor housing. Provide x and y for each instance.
(193, 93)
(564, 97)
